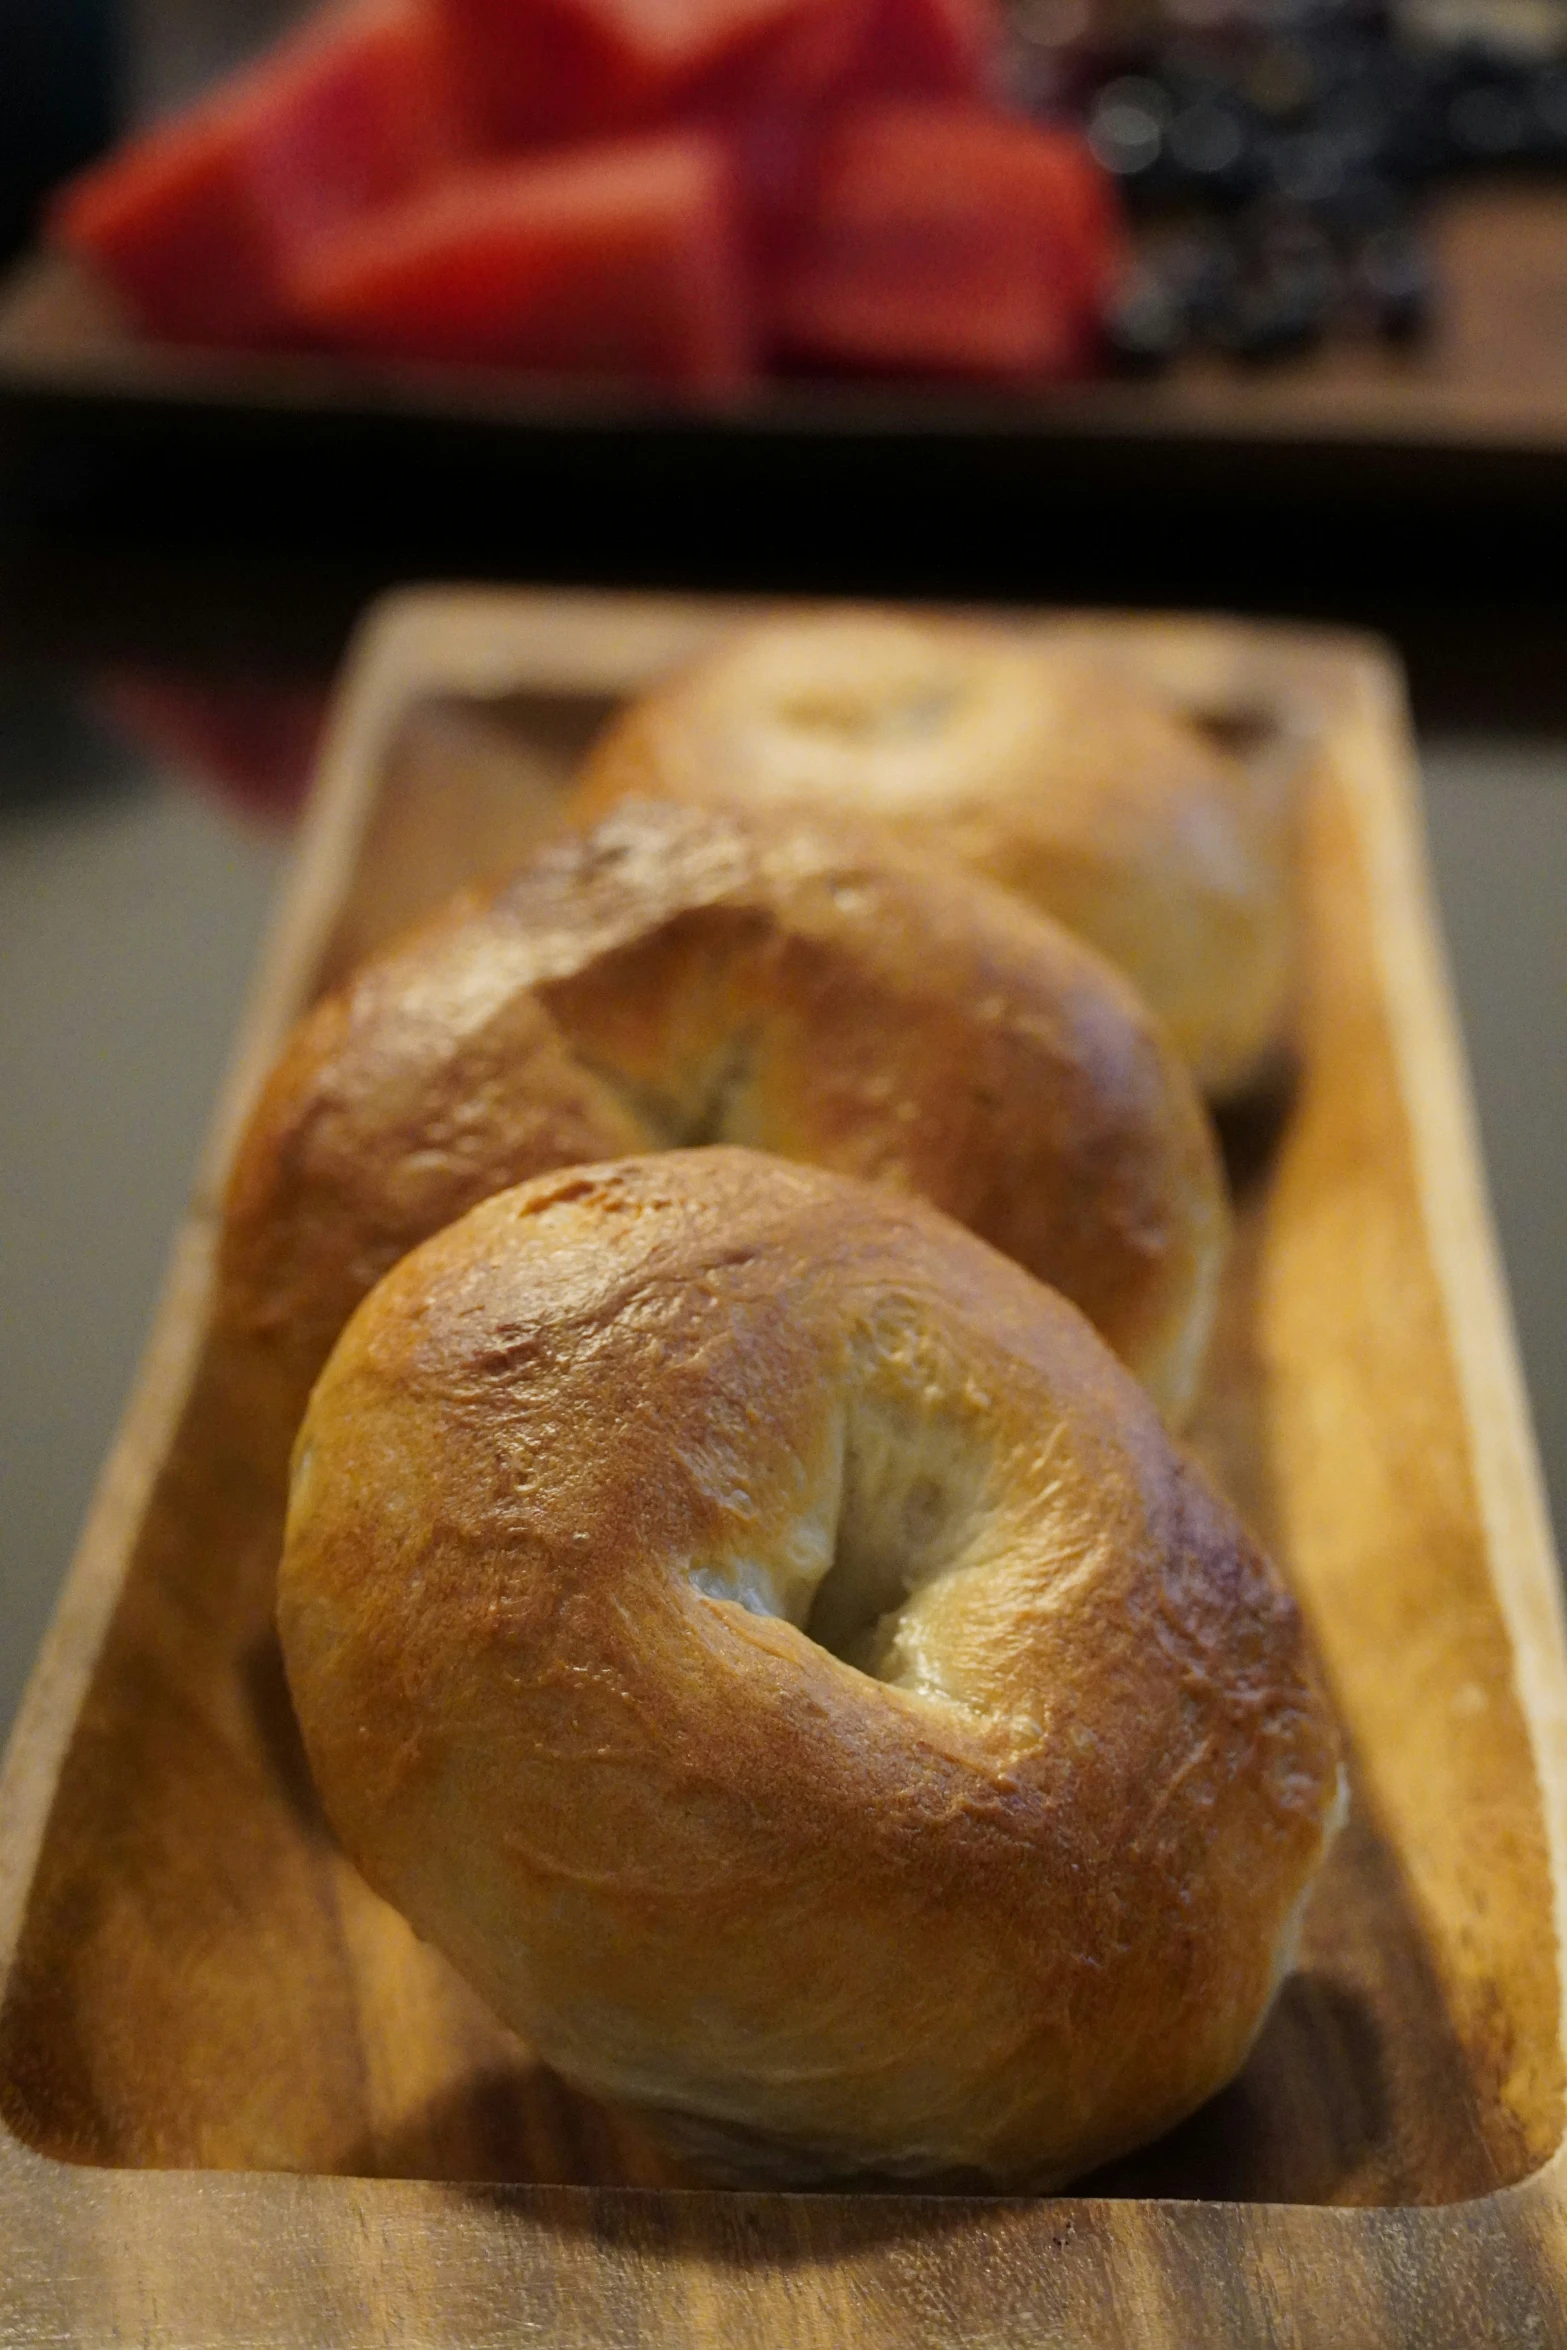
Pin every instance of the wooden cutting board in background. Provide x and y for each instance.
(1491, 374)
(242, 2104)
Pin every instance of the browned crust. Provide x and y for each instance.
(1044, 768)
(1015, 1906)
(682, 975)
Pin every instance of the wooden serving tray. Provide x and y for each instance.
(242, 2105)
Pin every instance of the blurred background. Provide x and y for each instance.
(184, 548)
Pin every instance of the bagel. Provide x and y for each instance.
(1072, 783)
(681, 975)
(767, 1641)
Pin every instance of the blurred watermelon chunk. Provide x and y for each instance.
(557, 69)
(197, 223)
(942, 239)
(828, 180)
(616, 259)
(1092, 246)
(928, 48)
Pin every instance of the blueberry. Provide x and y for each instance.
(1128, 125)
(1203, 273)
(1277, 315)
(1146, 326)
(1488, 122)
(1394, 271)
(1211, 149)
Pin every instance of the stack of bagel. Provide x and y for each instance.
(727, 1293)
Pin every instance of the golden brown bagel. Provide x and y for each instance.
(767, 1641)
(1071, 783)
(681, 976)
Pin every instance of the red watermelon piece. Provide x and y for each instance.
(941, 48)
(772, 156)
(1092, 233)
(617, 259)
(197, 223)
(250, 741)
(535, 70)
(928, 48)
(939, 240)
(931, 48)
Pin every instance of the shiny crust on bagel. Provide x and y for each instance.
(773, 1648)
(1065, 779)
(683, 975)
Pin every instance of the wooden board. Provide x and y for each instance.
(1491, 376)
(241, 2104)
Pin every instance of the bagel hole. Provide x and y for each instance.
(908, 1502)
(745, 1583)
(1240, 730)
(901, 1514)
(784, 1584)
(699, 1111)
(708, 1116)
(854, 717)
